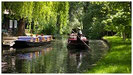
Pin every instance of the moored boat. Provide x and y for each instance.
(30, 41)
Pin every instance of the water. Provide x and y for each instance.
(52, 58)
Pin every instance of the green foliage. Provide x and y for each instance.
(109, 16)
(75, 14)
(19, 10)
(92, 21)
(118, 60)
(119, 18)
(62, 12)
(61, 17)
(43, 14)
(48, 16)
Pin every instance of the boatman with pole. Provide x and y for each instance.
(79, 35)
(79, 40)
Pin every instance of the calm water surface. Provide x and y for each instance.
(52, 58)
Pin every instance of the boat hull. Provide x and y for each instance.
(74, 44)
(20, 44)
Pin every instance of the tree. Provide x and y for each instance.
(62, 16)
(75, 14)
(109, 16)
(119, 18)
(43, 14)
(92, 21)
(20, 11)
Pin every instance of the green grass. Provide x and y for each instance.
(117, 60)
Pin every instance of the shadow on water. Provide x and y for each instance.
(53, 58)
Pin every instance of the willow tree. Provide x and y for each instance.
(61, 10)
(43, 14)
(21, 11)
(55, 17)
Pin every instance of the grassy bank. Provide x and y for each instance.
(117, 60)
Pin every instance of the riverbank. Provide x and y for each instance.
(117, 60)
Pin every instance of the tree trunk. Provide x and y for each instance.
(124, 36)
(111, 33)
(21, 28)
(58, 24)
(86, 4)
(107, 33)
(70, 12)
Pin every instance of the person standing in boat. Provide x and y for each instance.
(79, 34)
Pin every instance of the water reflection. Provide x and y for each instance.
(32, 55)
(55, 58)
(8, 51)
(14, 62)
(78, 60)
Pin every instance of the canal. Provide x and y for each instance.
(53, 58)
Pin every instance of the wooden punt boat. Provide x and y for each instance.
(28, 41)
(73, 43)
